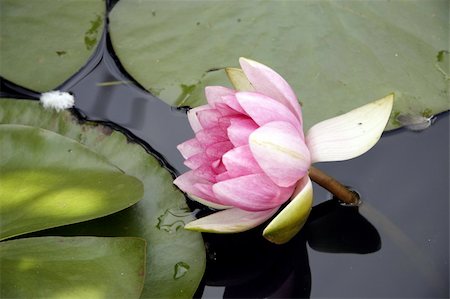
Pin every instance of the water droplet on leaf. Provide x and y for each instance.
(180, 269)
(172, 220)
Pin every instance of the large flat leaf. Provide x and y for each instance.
(79, 267)
(175, 257)
(337, 55)
(45, 42)
(49, 180)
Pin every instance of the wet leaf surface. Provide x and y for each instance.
(49, 180)
(78, 267)
(337, 55)
(45, 42)
(168, 243)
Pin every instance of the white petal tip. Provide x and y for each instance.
(349, 135)
(244, 59)
(251, 63)
(57, 100)
(230, 221)
(248, 61)
(387, 101)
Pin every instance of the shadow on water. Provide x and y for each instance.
(394, 245)
(247, 266)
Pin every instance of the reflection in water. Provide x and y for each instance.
(251, 267)
(417, 257)
(341, 229)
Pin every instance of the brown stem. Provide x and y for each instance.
(329, 183)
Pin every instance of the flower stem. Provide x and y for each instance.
(337, 189)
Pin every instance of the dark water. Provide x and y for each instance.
(396, 244)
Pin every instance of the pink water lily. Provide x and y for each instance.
(250, 154)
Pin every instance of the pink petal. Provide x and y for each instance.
(206, 172)
(226, 110)
(263, 109)
(280, 152)
(230, 221)
(240, 130)
(207, 190)
(216, 150)
(240, 162)
(187, 183)
(197, 160)
(225, 122)
(223, 176)
(192, 117)
(190, 148)
(232, 102)
(214, 94)
(255, 192)
(207, 137)
(208, 118)
(268, 82)
(218, 166)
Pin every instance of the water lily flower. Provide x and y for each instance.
(250, 155)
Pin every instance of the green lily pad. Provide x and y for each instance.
(80, 267)
(45, 42)
(50, 180)
(337, 55)
(175, 257)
